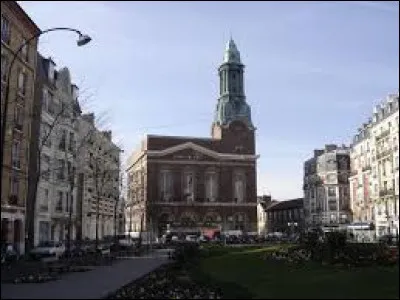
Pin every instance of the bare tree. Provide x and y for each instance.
(45, 132)
(75, 148)
(64, 114)
(104, 172)
(118, 201)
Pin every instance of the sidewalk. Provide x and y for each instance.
(94, 284)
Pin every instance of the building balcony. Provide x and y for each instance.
(383, 153)
(18, 127)
(386, 192)
(383, 134)
(353, 173)
(366, 168)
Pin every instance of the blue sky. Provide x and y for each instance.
(314, 70)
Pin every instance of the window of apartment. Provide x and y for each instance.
(51, 105)
(332, 205)
(385, 185)
(45, 133)
(14, 181)
(18, 117)
(71, 142)
(25, 50)
(67, 200)
(59, 204)
(4, 68)
(44, 205)
(45, 99)
(71, 202)
(331, 191)
(22, 82)
(51, 71)
(16, 151)
(69, 168)
(239, 187)
(46, 166)
(211, 186)
(188, 186)
(63, 139)
(5, 30)
(61, 169)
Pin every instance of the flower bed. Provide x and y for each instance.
(35, 278)
(167, 282)
(336, 251)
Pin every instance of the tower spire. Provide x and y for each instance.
(232, 100)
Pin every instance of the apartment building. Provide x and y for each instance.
(16, 29)
(263, 203)
(286, 216)
(374, 180)
(326, 187)
(53, 163)
(99, 200)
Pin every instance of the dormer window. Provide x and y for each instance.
(51, 70)
(25, 50)
(21, 82)
(74, 91)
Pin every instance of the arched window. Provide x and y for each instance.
(239, 221)
(239, 187)
(188, 220)
(166, 185)
(188, 186)
(211, 183)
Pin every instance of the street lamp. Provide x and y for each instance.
(83, 39)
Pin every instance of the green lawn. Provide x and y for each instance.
(243, 273)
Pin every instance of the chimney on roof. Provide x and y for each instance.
(330, 147)
(74, 91)
(318, 152)
(89, 118)
(108, 134)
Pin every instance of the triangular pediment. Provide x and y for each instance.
(192, 151)
(187, 151)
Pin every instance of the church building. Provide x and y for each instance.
(195, 184)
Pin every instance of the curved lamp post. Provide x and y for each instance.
(83, 39)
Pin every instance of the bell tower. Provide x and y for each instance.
(232, 119)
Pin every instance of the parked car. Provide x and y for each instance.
(76, 250)
(48, 249)
(388, 239)
(8, 254)
(191, 238)
(104, 249)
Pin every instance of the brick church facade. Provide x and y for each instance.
(190, 184)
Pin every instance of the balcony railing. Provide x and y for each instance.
(383, 134)
(366, 168)
(383, 153)
(353, 173)
(386, 192)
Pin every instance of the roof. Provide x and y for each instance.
(159, 142)
(19, 10)
(288, 204)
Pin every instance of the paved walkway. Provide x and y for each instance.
(94, 284)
